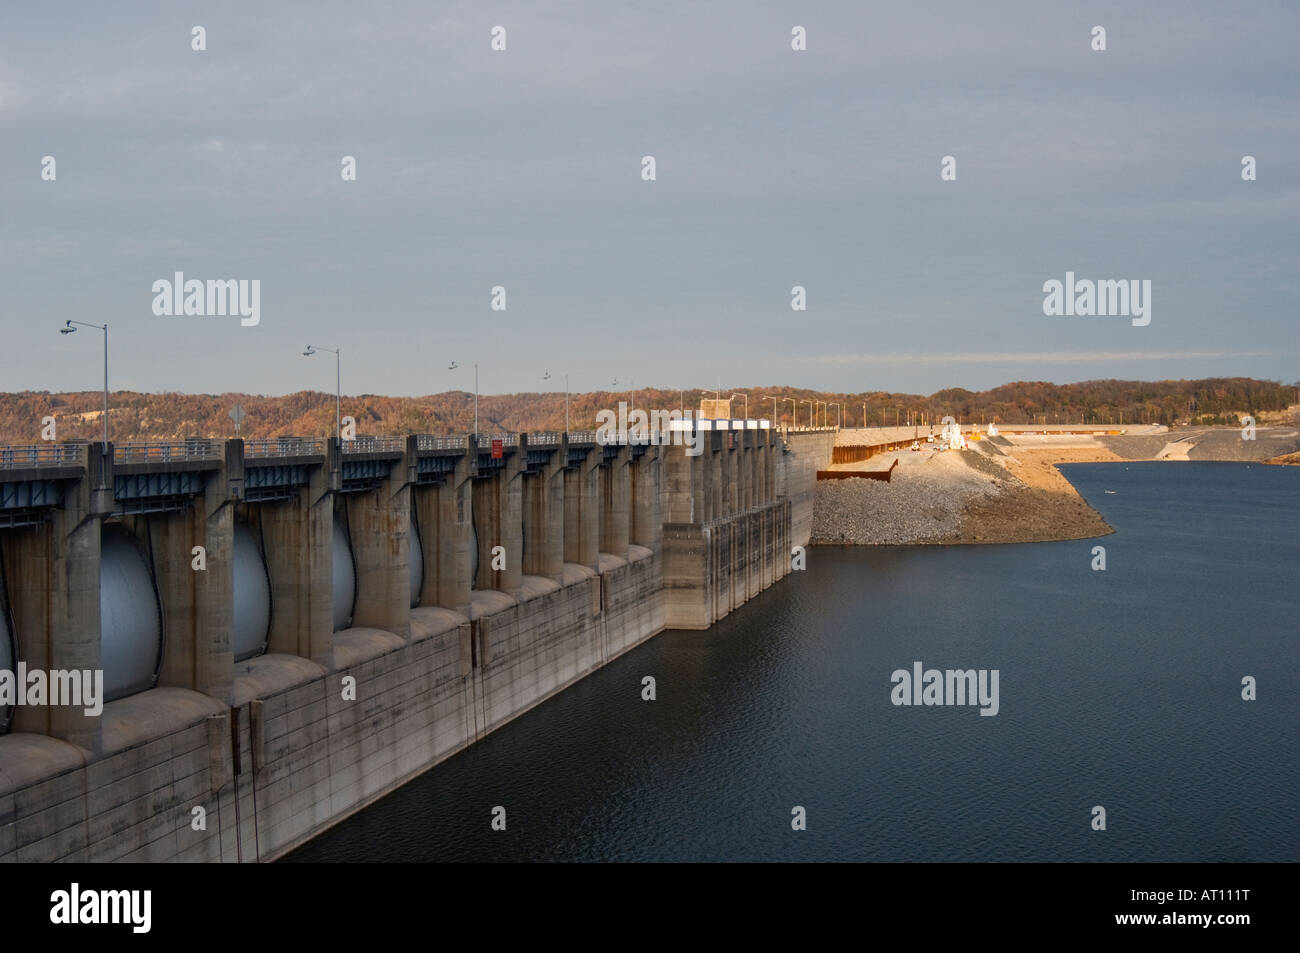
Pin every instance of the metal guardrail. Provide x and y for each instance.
(285, 447)
(373, 444)
(427, 441)
(203, 448)
(167, 451)
(42, 455)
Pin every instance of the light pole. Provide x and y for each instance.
(775, 415)
(338, 382)
(794, 412)
(451, 367)
(838, 408)
(69, 329)
(546, 377)
(823, 404)
(810, 411)
(746, 398)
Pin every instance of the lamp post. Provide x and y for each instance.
(794, 413)
(811, 407)
(338, 381)
(546, 377)
(823, 405)
(775, 415)
(451, 367)
(838, 408)
(746, 399)
(69, 328)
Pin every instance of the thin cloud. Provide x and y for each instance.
(1042, 357)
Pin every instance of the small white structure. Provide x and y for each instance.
(993, 429)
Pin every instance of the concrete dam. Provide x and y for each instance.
(289, 629)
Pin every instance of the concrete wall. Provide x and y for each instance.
(796, 477)
(726, 534)
(276, 748)
(307, 758)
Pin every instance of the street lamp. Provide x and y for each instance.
(546, 377)
(69, 328)
(775, 414)
(823, 404)
(810, 411)
(746, 397)
(451, 367)
(794, 414)
(838, 408)
(338, 378)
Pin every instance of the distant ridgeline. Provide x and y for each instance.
(136, 416)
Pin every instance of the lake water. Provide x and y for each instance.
(1119, 688)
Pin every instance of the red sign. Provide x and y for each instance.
(498, 449)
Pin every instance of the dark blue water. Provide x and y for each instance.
(1119, 688)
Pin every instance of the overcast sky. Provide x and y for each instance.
(522, 169)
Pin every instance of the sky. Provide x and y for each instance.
(522, 168)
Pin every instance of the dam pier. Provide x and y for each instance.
(291, 628)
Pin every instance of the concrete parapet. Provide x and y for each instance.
(297, 537)
(379, 525)
(615, 500)
(543, 516)
(582, 509)
(647, 503)
(53, 587)
(601, 554)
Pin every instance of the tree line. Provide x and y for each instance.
(166, 416)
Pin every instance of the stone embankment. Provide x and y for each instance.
(1008, 489)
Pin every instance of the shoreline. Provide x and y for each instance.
(999, 490)
(1044, 508)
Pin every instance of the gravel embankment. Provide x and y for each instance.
(923, 501)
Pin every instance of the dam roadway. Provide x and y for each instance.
(289, 629)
